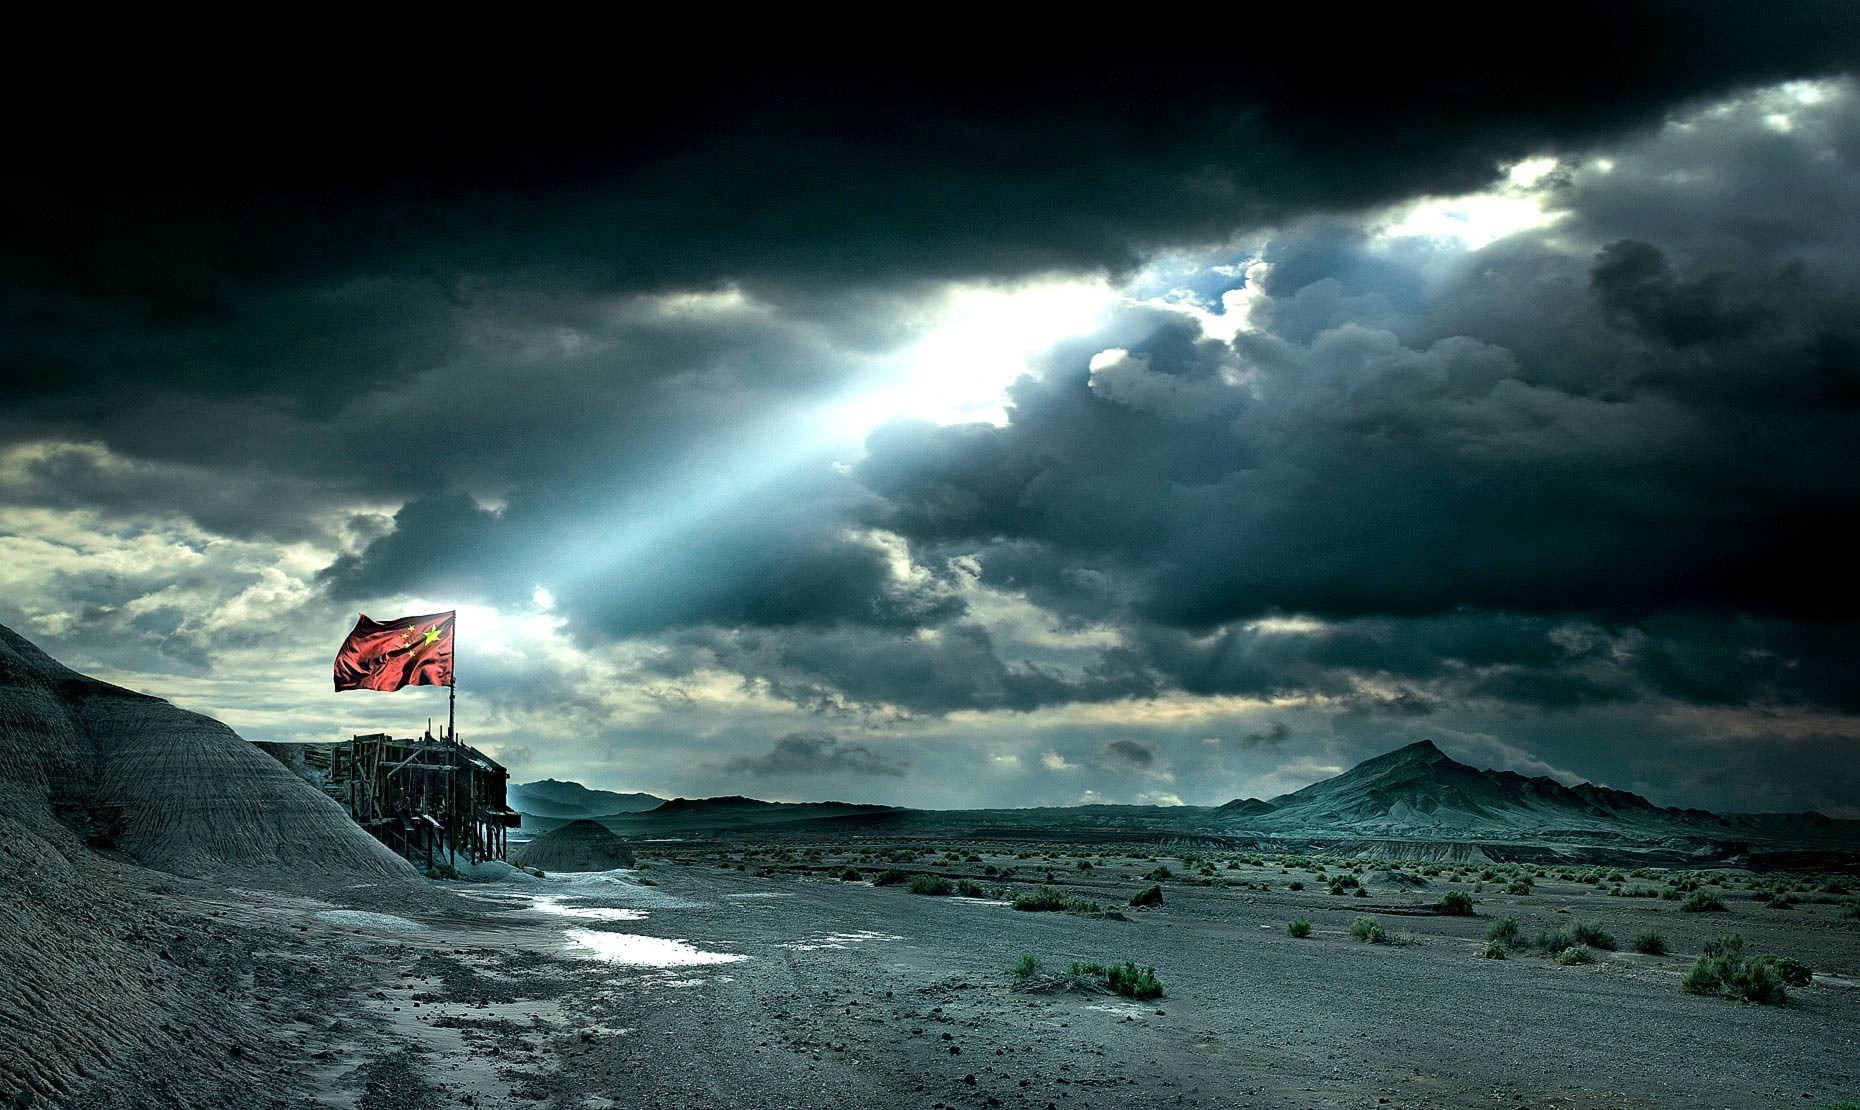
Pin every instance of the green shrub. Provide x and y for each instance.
(1159, 874)
(1455, 903)
(969, 888)
(1083, 971)
(890, 877)
(851, 875)
(1368, 930)
(1149, 896)
(1041, 899)
(1795, 973)
(1593, 936)
(1574, 954)
(1133, 982)
(1503, 932)
(1701, 902)
(1027, 966)
(935, 885)
(1650, 942)
(1723, 968)
(1299, 927)
(1295, 885)
(1519, 886)
(1493, 950)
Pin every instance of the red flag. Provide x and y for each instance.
(386, 655)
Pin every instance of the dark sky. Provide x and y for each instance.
(1041, 424)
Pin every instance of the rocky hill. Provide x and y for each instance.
(570, 800)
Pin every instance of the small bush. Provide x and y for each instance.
(890, 877)
(1701, 902)
(850, 875)
(1518, 886)
(1795, 973)
(1368, 930)
(1593, 936)
(934, 885)
(1295, 885)
(969, 888)
(1159, 874)
(1455, 903)
(1300, 927)
(1133, 982)
(1650, 942)
(1722, 968)
(1042, 899)
(1504, 932)
(1027, 966)
(1149, 896)
(1574, 954)
(1493, 950)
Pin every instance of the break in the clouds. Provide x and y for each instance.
(1077, 439)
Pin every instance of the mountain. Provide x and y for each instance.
(571, 800)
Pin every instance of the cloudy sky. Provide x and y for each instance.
(1129, 427)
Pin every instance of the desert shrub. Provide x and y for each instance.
(1701, 902)
(1723, 968)
(1083, 971)
(1149, 896)
(1794, 973)
(1299, 927)
(1592, 935)
(1159, 874)
(1041, 899)
(969, 888)
(1650, 942)
(1493, 950)
(1518, 886)
(1027, 966)
(890, 877)
(935, 885)
(1368, 930)
(1131, 981)
(851, 875)
(1504, 931)
(1574, 954)
(1783, 902)
(1295, 885)
(1344, 882)
(1455, 903)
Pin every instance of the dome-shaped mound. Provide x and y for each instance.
(577, 846)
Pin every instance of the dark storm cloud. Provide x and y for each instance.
(1271, 737)
(806, 755)
(1131, 753)
(957, 666)
(326, 246)
(1572, 473)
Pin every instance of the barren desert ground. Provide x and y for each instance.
(724, 975)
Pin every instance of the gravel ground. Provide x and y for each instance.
(719, 988)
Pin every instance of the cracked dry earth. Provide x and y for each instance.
(719, 989)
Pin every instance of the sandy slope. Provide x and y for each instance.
(106, 991)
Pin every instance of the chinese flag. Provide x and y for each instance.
(386, 655)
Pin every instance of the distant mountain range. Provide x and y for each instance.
(1417, 795)
(570, 800)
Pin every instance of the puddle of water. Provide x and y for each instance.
(639, 951)
(362, 919)
(762, 894)
(560, 908)
(836, 940)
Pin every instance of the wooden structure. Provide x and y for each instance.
(429, 799)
